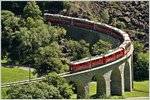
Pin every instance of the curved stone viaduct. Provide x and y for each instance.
(113, 78)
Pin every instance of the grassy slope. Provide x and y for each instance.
(14, 74)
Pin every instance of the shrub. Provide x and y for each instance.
(105, 16)
(120, 25)
(141, 66)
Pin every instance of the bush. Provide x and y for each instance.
(105, 16)
(115, 4)
(66, 4)
(78, 50)
(141, 66)
(101, 47)
(34, 91)
(140, 62)
(51, 87)
(120, 25)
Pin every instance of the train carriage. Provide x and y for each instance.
(116, 34)
(86, 63)
(126, 45)
(102, 29)
(83, 23)
(57, 19)
(113, 54)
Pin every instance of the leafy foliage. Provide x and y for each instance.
(23, 39)
(141, 67)
(140, 62)
(55, 80)
(32, 10)
(48, 59)
(66, 4)
(51, 87)
(105, 16)
(34, 91)
(101, 47)
(120, 24)
(138, 47)
(10, 23)
(78, 50)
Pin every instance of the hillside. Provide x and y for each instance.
(135, 15)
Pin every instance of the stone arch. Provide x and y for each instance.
(94, 78)
(127, 77)
(116, 86)
(101, 85)
(93, 87)
(81, 90)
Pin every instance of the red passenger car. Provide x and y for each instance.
(83, 23)
(86, 63)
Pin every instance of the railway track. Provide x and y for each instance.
(26, 81)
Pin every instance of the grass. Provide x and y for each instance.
(141, 89)
(14, 74)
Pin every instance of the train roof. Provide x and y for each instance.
(80, 61)
(57, 15)
(112, 51)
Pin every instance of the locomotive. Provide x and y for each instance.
(98, 60)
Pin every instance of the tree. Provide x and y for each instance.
(32, 10)
(64, 88)
(140, 62)
(51, 87)
(138, 47)
(78, 50)
(10, 23)
(57, 33)
(141, 67)
(105, 16)
(101, 47)
(38, 90)
(48, 60)
(23, 38)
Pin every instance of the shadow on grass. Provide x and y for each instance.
(140, 91)
(95, 96)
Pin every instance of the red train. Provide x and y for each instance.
(109, 56)
(100, 60)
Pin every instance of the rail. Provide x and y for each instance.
(27, 81)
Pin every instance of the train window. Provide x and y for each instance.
(80, 64)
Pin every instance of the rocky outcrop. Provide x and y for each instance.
(134, 14)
